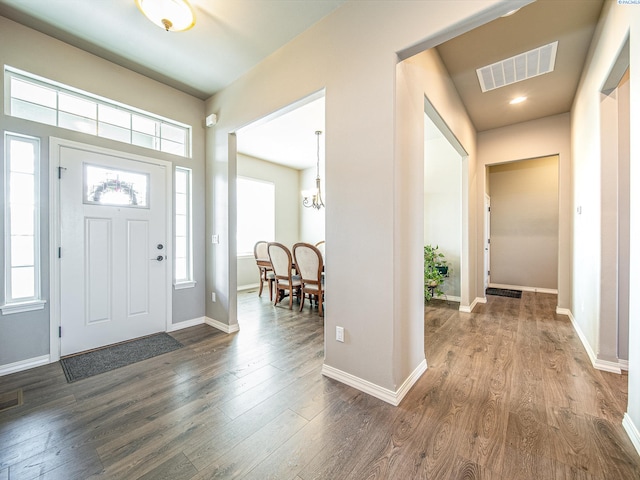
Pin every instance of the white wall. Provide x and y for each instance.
(538, 138)
(442, 206)
(370, 214)
(312, 220)
(617, 22)
(288, 206)
(26, 335)
(624, 142)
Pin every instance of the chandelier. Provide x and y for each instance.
(172, 15)
(314, 199)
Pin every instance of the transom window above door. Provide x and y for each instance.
(42, 100)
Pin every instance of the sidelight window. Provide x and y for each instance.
(21, 224)
(184, 239)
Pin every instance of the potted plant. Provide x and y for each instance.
(436, 269)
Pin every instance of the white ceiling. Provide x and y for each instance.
(288, 139)
(229, 37)
(232, 36)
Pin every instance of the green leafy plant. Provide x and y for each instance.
(436, 268)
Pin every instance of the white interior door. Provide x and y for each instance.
(113, 268)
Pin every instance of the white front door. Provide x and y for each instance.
(113, 268)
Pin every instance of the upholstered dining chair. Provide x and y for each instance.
(320, 246)
(285, 280)
(310, 265)
(261, 254)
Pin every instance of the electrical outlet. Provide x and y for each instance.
(215, 239)
(213, 296)
(340, 334)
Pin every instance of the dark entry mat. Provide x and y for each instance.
(109, 358)
(504, 292)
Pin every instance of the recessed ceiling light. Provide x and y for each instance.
(517, 100)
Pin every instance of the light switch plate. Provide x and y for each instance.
(340, 334)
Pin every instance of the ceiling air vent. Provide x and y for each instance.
(521, 67)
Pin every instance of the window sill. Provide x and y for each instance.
(11, 308)
(183, 285)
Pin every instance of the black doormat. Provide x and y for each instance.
(109, 358)
(504, 292)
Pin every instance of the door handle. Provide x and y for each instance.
(159, 258)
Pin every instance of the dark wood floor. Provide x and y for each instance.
(509, 394)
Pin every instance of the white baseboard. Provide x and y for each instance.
(384, 394)
(185, 324)
(632, 431)
(608, 366)
(448, 298)
(469, 308)
(221, 326)
(604, 365)
(242, 288)
(581, 335)
(24, 365)
(624, 364)
(523, 288)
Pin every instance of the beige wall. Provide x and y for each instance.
(524, 223)
(425, 77)
(24, 336)
(370, 213)
(538, 138)
(600, 334)
(423, 85)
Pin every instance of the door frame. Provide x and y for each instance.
(55, 144)
(487, 242)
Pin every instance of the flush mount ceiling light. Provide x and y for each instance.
(521, 67)
(172, 15)
(511, 12)
(517, 100)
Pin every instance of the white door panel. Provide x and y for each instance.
(112, 273)
(98, 274)
(138, 267)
